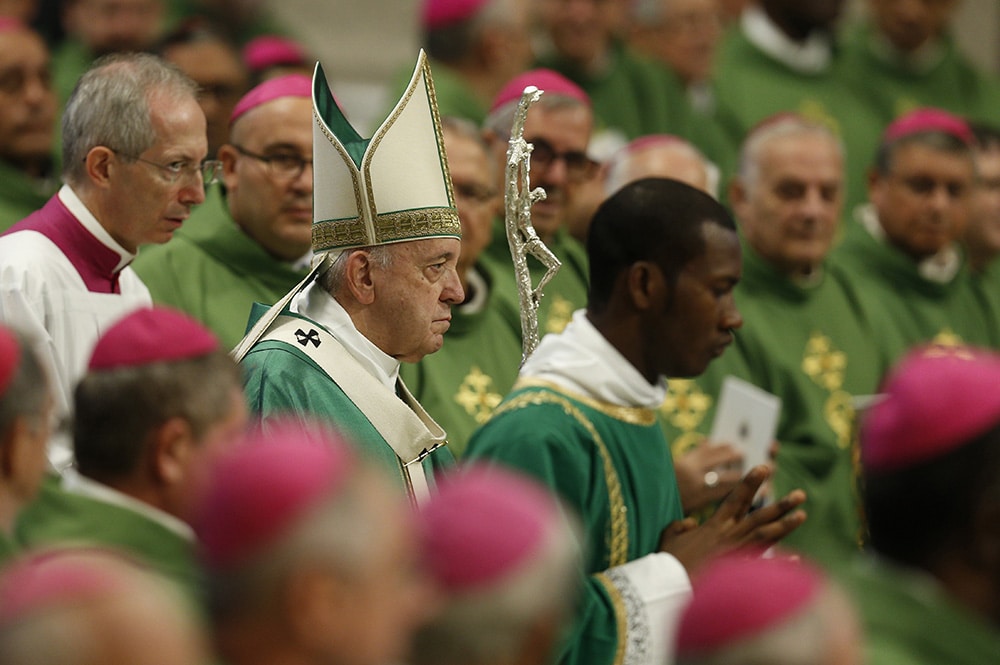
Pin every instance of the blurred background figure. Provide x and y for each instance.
(311, 555)
(161, 399)
(92, 607)
(982, 234)
(661, 156)
(215, 64)
(748, 610)
(931, 593)
(28, 174)
(271, 56)
(506, 560)
(25, 419)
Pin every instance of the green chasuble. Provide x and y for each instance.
(905, 307)
(894, 87)
(60, 516)
(630, 94)
(461, 384)
(909, 620)
(750, 86)
(811, 346)
(987, 287)
(21, 195)
(214, 271)
(566, 293)
(280, 380)
(611, 465)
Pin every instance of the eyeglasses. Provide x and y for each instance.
(285, 165)
(173, 172)
(578, 166)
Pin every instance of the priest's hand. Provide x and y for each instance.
(735, 524)
(706, 474)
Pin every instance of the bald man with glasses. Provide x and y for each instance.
(251, 240)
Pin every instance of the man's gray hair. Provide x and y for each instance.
(748, 168)
(334, 278)
(110, 106)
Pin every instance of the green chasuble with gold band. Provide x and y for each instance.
(810, 345)
(215, 272)
(611, 465)
(906, 307)
(61, 516)
(908, 618)
(566, 293)
(463, 382)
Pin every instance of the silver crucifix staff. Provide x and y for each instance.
(521, 235)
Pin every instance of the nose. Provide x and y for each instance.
(453, 293)
(193, 193)
(731, 317)
(304, 181)
(813, 205)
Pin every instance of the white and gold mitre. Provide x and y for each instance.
(390, 188)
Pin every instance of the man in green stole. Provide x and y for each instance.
(386, 242)
(664, 260)
(160, 400)
(929, 450)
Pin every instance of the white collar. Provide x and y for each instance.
(73, 481)
(941, 267)
(89, 222)
(581, 360)
(480, 293)
(813, 55)
(314, 302)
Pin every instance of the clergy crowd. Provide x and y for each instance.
(275, 387)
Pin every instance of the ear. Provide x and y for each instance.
(228, 155)
(99, 163)
(737, 196)
(647, 287)
(170, 451)
(875, 181)
(359, 278)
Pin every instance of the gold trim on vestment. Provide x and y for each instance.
(621, 615)
(618, 537)
(633, 415)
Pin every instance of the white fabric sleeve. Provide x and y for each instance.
(652, 592)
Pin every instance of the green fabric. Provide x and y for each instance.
(907, 309)
(279, 381)
(461, 384)
(751, 86)
(214, 271)
(893, 88)
(908, 619)
(454, 97)
(70, 59)
(549, 434)
(811, 346)
(566, 293)
(987, 288)
(21, 195)
(59, 517)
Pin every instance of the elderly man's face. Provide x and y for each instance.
(110, 26)
(27, 101)
(687, 37)
(909, 24)
(476, 197)
(149, 203)
(790, 211)
(983, 233)
(272, 202)
(582, 29)
(923, 203)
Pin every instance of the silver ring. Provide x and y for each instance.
(711, 479)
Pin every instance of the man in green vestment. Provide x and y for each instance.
(251, 243)
(664, 258)
(901, 256)
(27, 123)
(930, 452)
(161, 399)
(981, 239)
(25, 415)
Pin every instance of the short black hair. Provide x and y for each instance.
(653, 219)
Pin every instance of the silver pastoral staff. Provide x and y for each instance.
(521, 235)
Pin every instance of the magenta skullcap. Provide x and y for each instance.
(546, 80)
(259, 491)
(11, 24)
(290, 85)
(928, 120)
(150, 335)
(442, 13)
(737, 597)
(936, 400)
(483, 526)
(266, 51)
(10, 358)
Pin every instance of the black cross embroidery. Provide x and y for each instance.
(304, 338)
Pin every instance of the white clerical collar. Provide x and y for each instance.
(315, 303)
(73, 481)
(478, 293)
(941, 267)
(581, 360)
(813, 55)
(89, 222)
